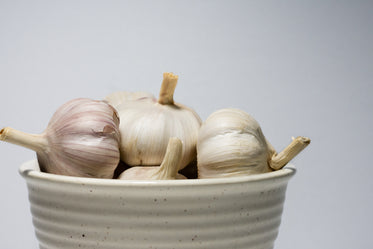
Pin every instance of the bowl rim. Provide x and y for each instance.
(30, 170)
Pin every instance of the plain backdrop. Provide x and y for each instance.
(298, 67)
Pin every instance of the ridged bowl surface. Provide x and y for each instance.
(228, 213)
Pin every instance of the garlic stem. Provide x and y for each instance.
(166, 94)
(277, 161)
(171, 161)
(35, 142)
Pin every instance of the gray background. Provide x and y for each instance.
(299, 67)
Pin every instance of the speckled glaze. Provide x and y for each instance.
(74, 212)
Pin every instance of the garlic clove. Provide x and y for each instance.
(81, 139)
(231, 143)
(146, 127)
(167, 170)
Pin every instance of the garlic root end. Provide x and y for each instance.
(279, 160)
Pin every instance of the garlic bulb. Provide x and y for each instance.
(147, 125)
(81, 139)
(231, 143)
(167, 170)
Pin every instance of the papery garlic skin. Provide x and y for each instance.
(81, 139)
(147, 125)
(231, 143)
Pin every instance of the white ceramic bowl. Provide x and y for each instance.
(74, 212)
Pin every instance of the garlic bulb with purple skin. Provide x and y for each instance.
(231, 143)
(168, 170)
(81, 139)
(147, 124)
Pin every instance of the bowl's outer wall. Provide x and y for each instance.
(137, 216)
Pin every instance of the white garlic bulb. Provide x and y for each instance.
(166, 171)
(231, 143)
(147, 125)
(81, 139)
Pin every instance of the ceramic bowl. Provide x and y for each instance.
(75, 212)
